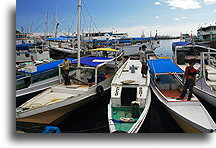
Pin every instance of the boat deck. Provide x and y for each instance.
(56, 94)
(125, 112)
(172, 95)
(133, 78)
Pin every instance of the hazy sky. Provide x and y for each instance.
(169, 17)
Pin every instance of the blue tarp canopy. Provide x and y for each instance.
(125, 41)
(102, 40)
(67, 37)
(163, 66)
(113, 40)
(89, 61)
(57, 39)
(174, 44)
(104, 43)
(144, 39)
(48, 66)
(24, 46)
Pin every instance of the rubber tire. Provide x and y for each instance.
(100, 90)
(40, 51)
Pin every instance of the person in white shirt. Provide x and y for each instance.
(143, 61)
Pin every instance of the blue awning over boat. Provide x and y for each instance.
(48, 66)
(163, 66)
(57, 39)
(24, 46)
(144, 39)
(89, 61)
(67, 36)
(125, 41)
(174, 44)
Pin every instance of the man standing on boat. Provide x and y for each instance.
(190, 74)
(66, 66)
(143, 61)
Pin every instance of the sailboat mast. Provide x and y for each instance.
(78, 41)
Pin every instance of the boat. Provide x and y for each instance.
(31, 52)
(205, 86)
(207, 35)
(184, 51)
(130, 98)
(52, 104)
(62, 45)
(205, 62)
(191, 116)
(33, 78)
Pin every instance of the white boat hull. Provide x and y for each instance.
(135, 128)
(210, 98)
(51, 113)
(187, 124)
(38, 86)
(127, 80)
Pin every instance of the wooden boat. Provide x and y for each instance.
(60, 99)
(130, 98)
(52, 105)
(205, 85)
(191, 115)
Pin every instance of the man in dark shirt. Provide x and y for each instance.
(190, 74)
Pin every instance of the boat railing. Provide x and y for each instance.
(26, 75)
(202, 70)
(93, 68)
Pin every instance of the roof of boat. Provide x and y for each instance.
(24, 46)
(163, 66)
(48, 66)
(125, 76)
(174, 44)
(92, 61)
(57, 39)
(104, 49)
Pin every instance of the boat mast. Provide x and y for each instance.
(78, 42)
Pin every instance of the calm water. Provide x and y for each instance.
(92, 117)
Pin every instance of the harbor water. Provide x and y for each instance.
(92, 117)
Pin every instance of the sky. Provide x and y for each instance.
(168, 17)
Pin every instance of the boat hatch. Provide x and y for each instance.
(128, 95)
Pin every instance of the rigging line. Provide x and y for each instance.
(38, 27)
(90, 16)
(73, 21)
(84, 21)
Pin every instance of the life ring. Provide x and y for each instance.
(40, 51)
(100, 90)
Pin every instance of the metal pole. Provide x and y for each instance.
(95, 75)
(78, 33)
(59, 70)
